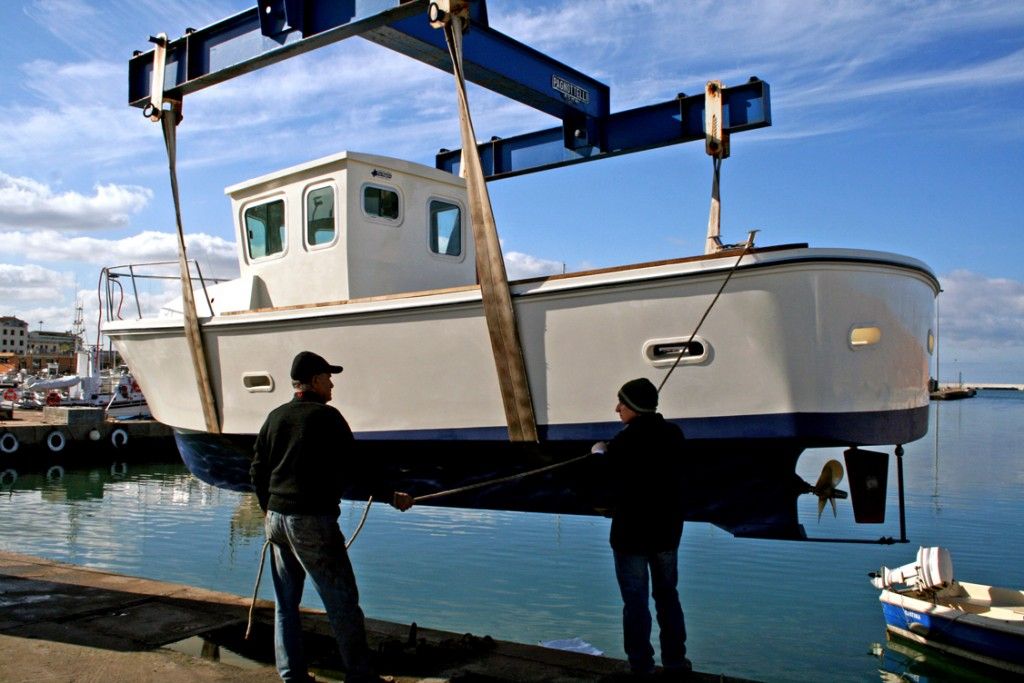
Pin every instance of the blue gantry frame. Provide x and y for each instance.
(275, 30)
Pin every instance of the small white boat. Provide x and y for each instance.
(46, 384)
(975, 621)
(116, 390)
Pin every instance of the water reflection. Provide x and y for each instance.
(902, 660)
(532, 577)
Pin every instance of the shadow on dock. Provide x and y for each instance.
(59, 619)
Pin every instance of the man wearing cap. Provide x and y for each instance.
(647, 523)
(303, 461)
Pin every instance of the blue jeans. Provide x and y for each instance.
(314, 545)
(632, 572)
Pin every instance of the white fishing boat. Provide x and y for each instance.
(923, 603)
(366, 260)
(454, 375)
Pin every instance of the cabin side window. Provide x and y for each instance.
(264, 229)
(380, 202)
(320, 228)
(445, 228)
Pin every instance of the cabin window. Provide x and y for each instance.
(865, 336)
(320, 216)
(445, 228)
(264, 228)
(380, 202)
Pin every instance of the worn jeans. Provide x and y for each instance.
(632, 572)
(314, 545)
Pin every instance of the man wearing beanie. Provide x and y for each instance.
(647, 522)
(303, 462)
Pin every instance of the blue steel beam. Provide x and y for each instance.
(275, 30)
(499, 63)
(255, 38)
(745, 107)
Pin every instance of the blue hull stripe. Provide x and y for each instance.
(810, 430)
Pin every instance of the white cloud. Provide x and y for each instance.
(27, 203)
(31, 284)
(359, 96)
(217, 255)
(520, 266)
(981, 312)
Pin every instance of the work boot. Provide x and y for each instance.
(677, 674)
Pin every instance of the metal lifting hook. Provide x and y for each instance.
(154, 111)
(440, 13)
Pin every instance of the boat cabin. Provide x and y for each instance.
(345, 227)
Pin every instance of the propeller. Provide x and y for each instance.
(830, 477)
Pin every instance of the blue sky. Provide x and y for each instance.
(897, 126)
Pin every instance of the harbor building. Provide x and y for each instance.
(13, 335)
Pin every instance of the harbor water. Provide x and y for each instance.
(767, 610)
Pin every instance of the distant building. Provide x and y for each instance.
(42, 343)
(53, 350)
(13, 336)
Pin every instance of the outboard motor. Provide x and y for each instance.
(933, 569)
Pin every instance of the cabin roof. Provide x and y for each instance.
(390, 163)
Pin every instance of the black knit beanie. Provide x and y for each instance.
(640, 395)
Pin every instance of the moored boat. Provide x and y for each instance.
(367, 261)
(974, 621)
(456, 377)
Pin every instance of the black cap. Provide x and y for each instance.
(640, 395)
(307, 364)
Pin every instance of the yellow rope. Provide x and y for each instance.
(491, 482)
(704, 317)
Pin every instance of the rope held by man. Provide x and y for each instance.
(263, 560)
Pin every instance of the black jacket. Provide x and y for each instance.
(304, 458)
(645, 460)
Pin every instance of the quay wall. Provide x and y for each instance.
(69, 436)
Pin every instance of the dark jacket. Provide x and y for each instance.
(645, 460)
(304, 458)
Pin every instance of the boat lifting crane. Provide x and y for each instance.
(455, 36)
(277, 29)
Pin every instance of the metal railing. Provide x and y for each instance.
(112, 276)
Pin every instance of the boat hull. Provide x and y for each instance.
(780, 368)
(748, 489)
(776, 357)
(992, 641)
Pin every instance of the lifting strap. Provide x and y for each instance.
(494, 291)
(169, 119)
(716, 144)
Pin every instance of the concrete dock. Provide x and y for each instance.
(39, 439)
(63, 622)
